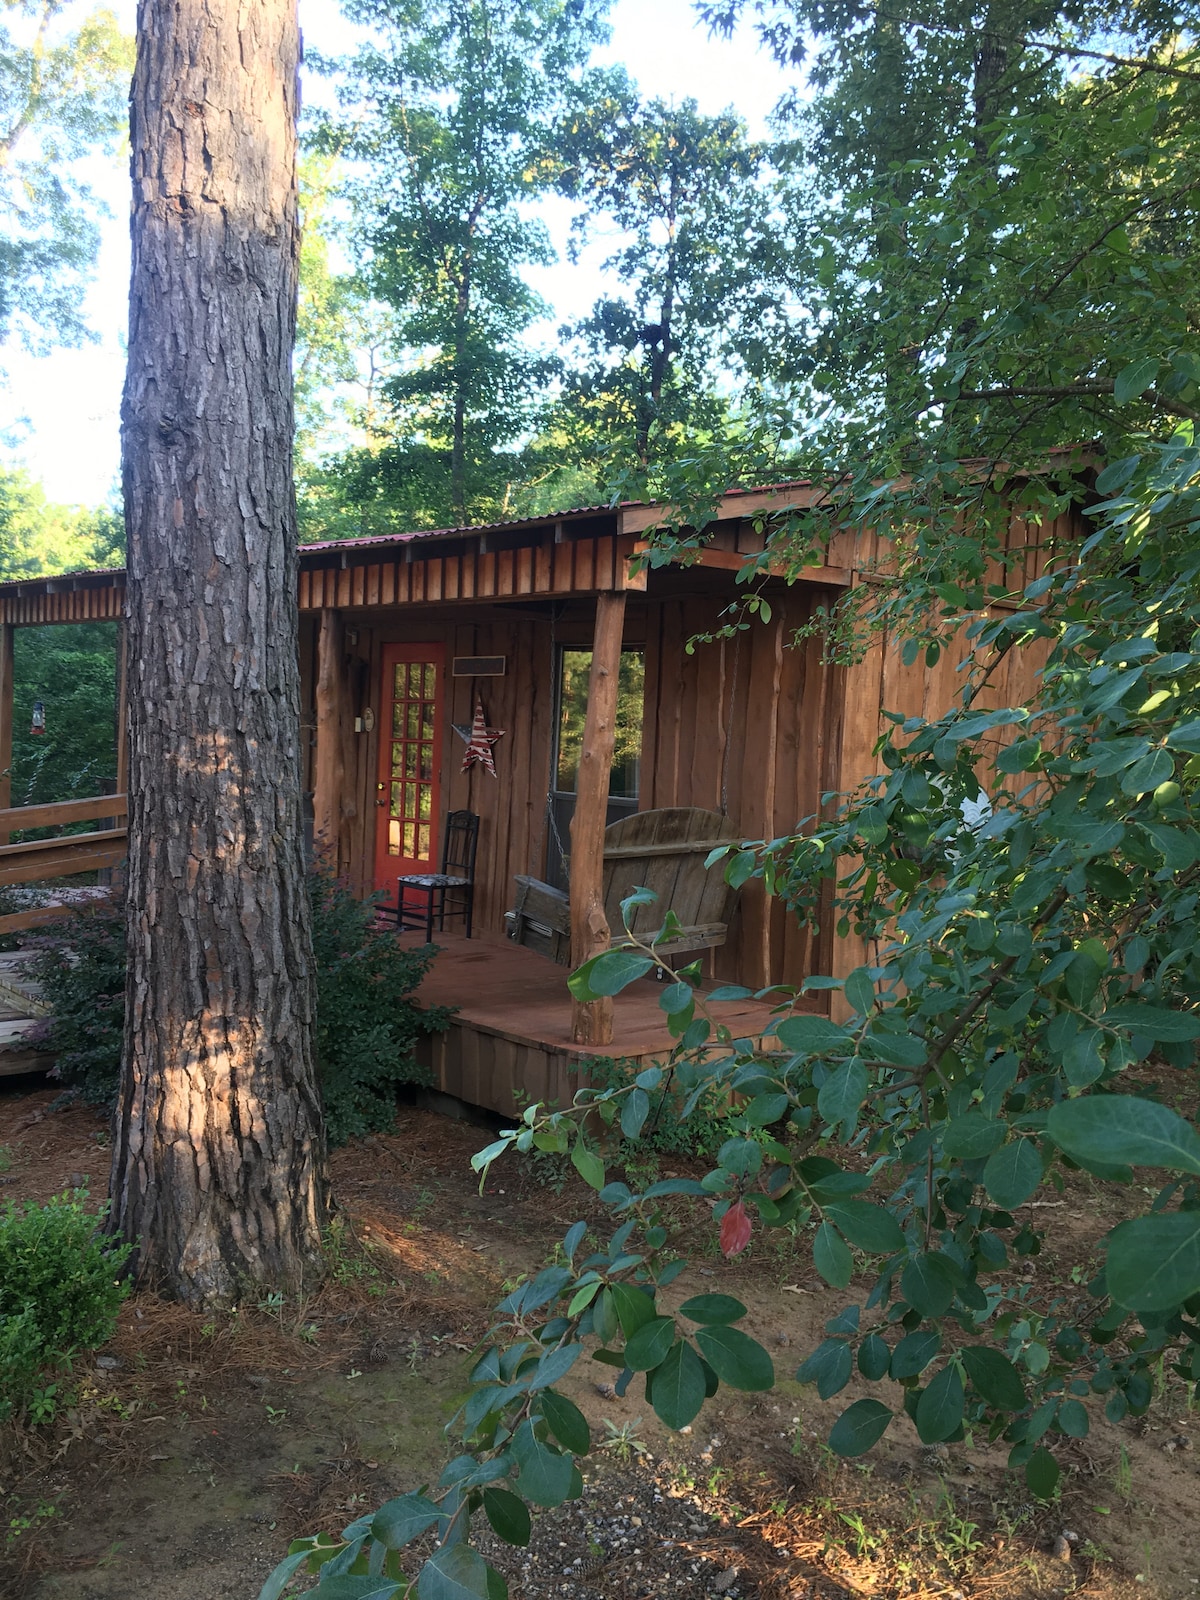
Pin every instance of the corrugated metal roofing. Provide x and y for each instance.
(382, 540)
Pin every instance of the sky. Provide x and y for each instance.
(59, 413)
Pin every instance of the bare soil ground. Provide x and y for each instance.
(195, 1448)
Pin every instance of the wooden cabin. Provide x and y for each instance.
(403, 638)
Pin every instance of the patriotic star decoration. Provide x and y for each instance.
(480, 740)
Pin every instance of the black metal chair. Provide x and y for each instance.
(452, 890)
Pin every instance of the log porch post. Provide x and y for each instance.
(593, 1023)
(6, 719)
(327, 766)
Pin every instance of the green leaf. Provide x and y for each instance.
(677, 1392)
(1124, 1130)
(588, 1165)
(860, 990)
(554, 1365)
(807, 1035)
(928, 1285)
(829, 1367)
(1185, 736)
(1148, 773)
(736, 1359)
(941, 1406)
(649, 1345)
(993, 1377)
(675, 997)
(842, 1093)
(398, 1522)
(1073, 1419)
(636, 1109)
(765, 1109)
(1134, 380)
(567, 1423)
(508, 1515)
(282, 1575)
(634, 1309)
(1013, 1173)
(712, 1308)
(858, 1428)
(1041, 1473)
(899, 1049)
(545, 1474)
(455, 1572)
(607, 974)
(1154, 1262)
(345, 1586)
(868, 1226)
(831, 1257)
(1160, 1024)
(874, 1357)
(973, 1136)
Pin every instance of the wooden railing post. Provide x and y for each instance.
(593, 1023)
(327, 767)
(6, 718)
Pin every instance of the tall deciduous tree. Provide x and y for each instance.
(685, 193)
(218, 1160)
(449, 119)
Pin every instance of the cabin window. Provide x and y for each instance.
(572, 669)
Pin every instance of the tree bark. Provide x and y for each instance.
(218, 1166)
(592, 1021)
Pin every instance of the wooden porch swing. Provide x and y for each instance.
(663, 851)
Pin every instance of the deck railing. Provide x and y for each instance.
(35, 860)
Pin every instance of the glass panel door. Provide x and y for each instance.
(408, 787)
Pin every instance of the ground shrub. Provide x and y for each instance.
(367, 1024)
(59, 1294)
(665, 1132)
(81, 966)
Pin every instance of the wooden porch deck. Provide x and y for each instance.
(511, 1036)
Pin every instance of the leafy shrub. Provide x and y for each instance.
(81, 967)
(59, 1293)
(367, 1024)
(665, 1131)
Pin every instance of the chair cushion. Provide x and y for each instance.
(432, 880)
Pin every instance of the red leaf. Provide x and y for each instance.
(735, 1230)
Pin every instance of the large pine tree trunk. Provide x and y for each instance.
(219, 1156)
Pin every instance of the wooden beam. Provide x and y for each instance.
(592, 1024)
(327, 768)
(735, 560)
(61, 858)
(792, 497)
(6, 718)
(59, 812)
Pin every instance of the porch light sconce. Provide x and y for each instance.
(365, 723)
(38, 724)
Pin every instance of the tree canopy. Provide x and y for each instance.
(62, 95)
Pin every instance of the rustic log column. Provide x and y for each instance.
(593, 1023)
(6, 718)
(328, 765)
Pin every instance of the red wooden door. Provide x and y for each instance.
(408, 794)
